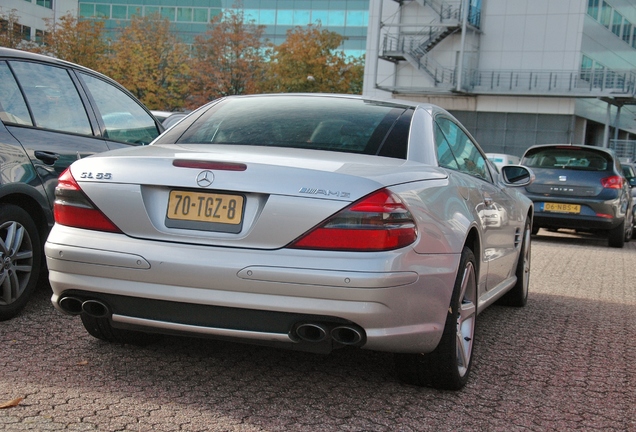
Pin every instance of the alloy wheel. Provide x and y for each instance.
(16, 258)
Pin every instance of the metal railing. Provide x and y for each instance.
(552, 82)
(414, 48)
(624, 148)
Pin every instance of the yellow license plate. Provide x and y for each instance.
(205, 207)
(562, 208)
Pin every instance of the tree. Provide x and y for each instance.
(151, 62)
(309, 61)
(10, 29)
(228, 59)
(80, 42)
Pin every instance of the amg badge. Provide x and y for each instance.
(324, 192)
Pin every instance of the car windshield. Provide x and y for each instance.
(319, 123)
(574, 158)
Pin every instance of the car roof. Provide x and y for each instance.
(26, 55)
(400, 102)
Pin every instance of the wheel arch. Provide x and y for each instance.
(473, 242)
(39, 212)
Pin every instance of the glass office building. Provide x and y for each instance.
(191, 17)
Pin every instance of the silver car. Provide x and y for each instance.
(308, 222)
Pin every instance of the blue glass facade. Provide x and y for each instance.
(189, 18)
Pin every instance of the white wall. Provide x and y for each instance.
(531, 34)
(32, 15)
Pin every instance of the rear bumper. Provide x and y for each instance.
(587, 219)
(548, 220)
(398, 301)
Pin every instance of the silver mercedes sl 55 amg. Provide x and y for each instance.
(310, 222)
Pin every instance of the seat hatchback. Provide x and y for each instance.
(581, 188)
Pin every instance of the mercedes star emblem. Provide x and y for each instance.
(205, 178)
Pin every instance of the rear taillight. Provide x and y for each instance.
(73, 208)
(613, 182)
(378, 222)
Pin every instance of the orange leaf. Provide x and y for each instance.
(12, 403)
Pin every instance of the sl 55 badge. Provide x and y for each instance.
(96, 176)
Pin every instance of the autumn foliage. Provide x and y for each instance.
(75, 41)
(309, 61)
(231, 58)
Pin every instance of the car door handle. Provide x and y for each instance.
(48, 158)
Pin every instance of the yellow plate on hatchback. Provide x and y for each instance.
(561, 208)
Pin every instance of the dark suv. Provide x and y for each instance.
(51, 113)
(581, 188)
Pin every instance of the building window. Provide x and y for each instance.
(357, 18)
(265, 17)
(25, 32)
(184, 14)
(302, 17)
(39, 36)
(592, 8)
(200, 15)
(617, 22)
(102, 11)
(168, 12)
(627, 31)
(151, 10)
(586, 68)
(46, 3)
(86, 10)
(606, 15)
(285, 17)
(120, 12)
(135, 11)
(336, 18)
(320, 16)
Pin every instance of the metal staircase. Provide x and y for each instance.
(414, 45)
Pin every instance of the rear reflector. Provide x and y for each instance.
(378, 222)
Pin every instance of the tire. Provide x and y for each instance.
(448, 366)
(101, 328)
(616, 236)
(21, 254)
(518, 294)
(629, 231)
(535, 230)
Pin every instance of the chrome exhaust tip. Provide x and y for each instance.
(347, 335)
(71, 305)
(311, 332)
(95, 309)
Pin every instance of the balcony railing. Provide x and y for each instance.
(624, 148)
(552, 82)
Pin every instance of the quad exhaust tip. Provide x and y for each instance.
(75, 306)
(318, 332)
(311, 332)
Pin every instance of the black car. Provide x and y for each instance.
(51, 113)
(582, 188)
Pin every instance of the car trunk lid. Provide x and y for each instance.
(264, 197)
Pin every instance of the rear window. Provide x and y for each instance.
(574, 158)
(320, 123)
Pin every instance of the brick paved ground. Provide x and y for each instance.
(564, 362)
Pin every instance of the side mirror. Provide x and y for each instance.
(517, 175)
